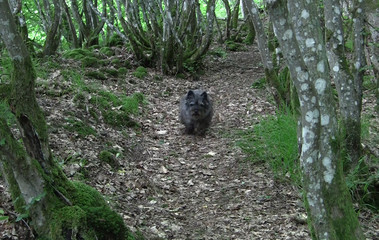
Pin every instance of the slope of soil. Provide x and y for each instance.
(168, 185)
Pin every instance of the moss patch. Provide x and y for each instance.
(79, 54)
(140, 72)
(80, 127)
(96, 75)
(122, 70)
(108, 157)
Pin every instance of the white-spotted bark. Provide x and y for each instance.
(348, 79)
(330, 210)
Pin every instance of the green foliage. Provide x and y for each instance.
(259, 84)
(140, 72)
(115, 40)
(110, 71)
(130, 104)
(362, 182)
(6, 113)
(122, 70)
(5, 67)
(79, 54)
(80, 127)
(107, 51)
(2, 216)
(108, 157)
(218, 52)
(274, 141)
(90, 61)
(234, 46)
(90, 211)
(349, 45)
(119, 119)
(116, 110)
(96, 75)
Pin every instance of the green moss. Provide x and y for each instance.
(118, 119)
(80, 127)
(218, 52)
(70, 218)
(234, 46)
(140, 72)
(108, 157)
(93, 112)
(116, 62)
(22, 96)
(110, 97)
(182, 75)
(107, 223)
(100, 101)
(130, 104)
(110, 71)
(6, 113)
(96, 75)
(122, 70)
(79, 97)
(78, 54)
(90, 61)
(115, 40)
(105, 101)
(107, 51)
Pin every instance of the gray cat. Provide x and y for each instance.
(196, 111)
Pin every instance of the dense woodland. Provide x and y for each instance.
(319, 64)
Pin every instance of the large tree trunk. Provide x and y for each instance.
(328, 201)
(58, 208)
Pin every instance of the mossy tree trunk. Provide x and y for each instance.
(57, 208)
(280, 94)
(330, 210)
(54, 34)
(249, 21)
(228, 18)
(348, 80)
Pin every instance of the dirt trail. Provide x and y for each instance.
(174, 186)
(201, 187)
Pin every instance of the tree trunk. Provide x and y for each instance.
(59, 209)
(348, 84)
(53, 35)
(71, 26)
(228, 19)
(330, 210)
(279, 94)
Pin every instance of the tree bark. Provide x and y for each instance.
(59, 209)
(348, 82)
(330, 210)
(279, 94)
(53, 35)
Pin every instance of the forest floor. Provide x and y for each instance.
(169, 185)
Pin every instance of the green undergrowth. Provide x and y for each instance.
(100, 105)
(362, 182)
(83, 129)
(274, 141)
(140, 72)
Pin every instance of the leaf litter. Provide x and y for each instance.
(168, 185)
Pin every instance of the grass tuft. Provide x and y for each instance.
(274, 141)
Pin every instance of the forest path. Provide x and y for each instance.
(166, 184)
(195, 187)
